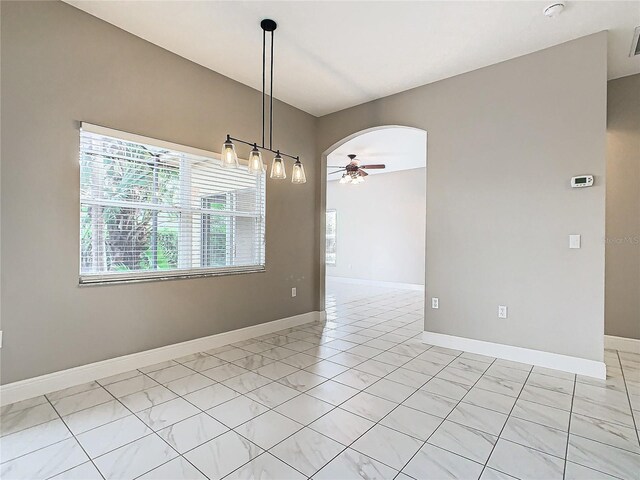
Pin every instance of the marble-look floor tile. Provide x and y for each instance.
(342, 426)
(190, 383)
(415, 423)
(33, 438)
(268, 429)
(553, 373)
(113, 435)
(500, 385)
(81, 401)
(95, 416)
(273, 394)
(351, 464)
(507, 373)
(203, 363)
(332, 392)
(432, 404)
(446, 388)
(46, 462)
(67, 392)
(119, 377)
(348, 359)
(609, 412)
(465, 441)
(408, 377)
(546, 397)
(232, 354)
(168, 374)
(134, 459)
(555, 384)
(375, 367)
(389, 446)
(389, 390)
(301, 360)
(523, 462)
(434, 462)
(191, 432)
(301, 380)
(610, 433)
(457, 376)
(168, 413)
(211, 396)
(84, 471)
(265, 467)
(224, 372)
(356, 379)
(276, 370)
(542, 414)
(130, 385)
(18, 406)
(489, 400)
(157, 366)
(304, 409)
(307, 451)
(487, 421)
(368, 406)
(176, 469)
(491, 474)
(573, 471)
(326, 369)
(536, 436)
(246, 382)
(223, 454)
(147, 398)
(237, 411)
(599, 456)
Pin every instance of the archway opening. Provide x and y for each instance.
(373, 231)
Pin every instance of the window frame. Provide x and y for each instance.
(334, 236)
(87, 279)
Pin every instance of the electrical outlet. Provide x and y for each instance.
(502, 311)
(293, 292)
(434, 302)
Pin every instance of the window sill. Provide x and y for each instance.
(116, 279)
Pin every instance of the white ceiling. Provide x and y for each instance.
(333, 55)
(399, 148)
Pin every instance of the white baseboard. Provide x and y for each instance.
(378, 283)
(623, 344)
(582, 366)
(32, 387)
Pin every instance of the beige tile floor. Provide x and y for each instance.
(357, 397)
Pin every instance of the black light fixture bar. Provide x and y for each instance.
(261, 147)
(229, 155)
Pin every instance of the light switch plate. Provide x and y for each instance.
(574, 241)
(294, 292)
(434, 302)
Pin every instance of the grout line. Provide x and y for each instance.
(77, 441)
(505, 424)
(624, 378)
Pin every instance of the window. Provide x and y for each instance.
(332, 225)
(150, 209)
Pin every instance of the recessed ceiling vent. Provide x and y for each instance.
(635, 44)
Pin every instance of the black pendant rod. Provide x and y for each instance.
(271, 98)
(252, 144)
(264, 62)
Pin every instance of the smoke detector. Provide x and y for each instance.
(553, 10)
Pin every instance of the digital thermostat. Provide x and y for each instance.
(582, 181)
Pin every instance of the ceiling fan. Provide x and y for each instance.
(354, 172)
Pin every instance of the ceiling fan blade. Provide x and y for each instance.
(337, 171)
(362, 173)
(335, 166)
(380, 165)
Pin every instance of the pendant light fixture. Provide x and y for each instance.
(278, 170)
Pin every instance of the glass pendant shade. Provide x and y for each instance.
(255, 162)
(277, 168)
(297, 175)
(229, 156)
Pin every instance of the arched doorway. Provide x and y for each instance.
(399, 148)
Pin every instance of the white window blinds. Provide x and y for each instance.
(151, 209)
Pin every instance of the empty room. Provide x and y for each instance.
(327, 240)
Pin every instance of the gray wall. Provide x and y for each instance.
(503, 142)
(61, 66)
(381, 227)
(622, 294)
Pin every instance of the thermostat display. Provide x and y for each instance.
(582, 181)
